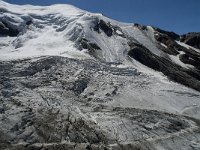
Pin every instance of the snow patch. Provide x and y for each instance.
(187, 46)
(176, 60)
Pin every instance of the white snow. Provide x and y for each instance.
(143, 37)
(39, 42)
(55, 31)
(163, 45)
(35, 41)
(57, 28)
(147, 92)
(176, 60)
(119, 32)
(64, 9)
(188, 46)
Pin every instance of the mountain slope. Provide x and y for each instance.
(70, 78)
(67, 31)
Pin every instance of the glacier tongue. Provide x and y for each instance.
(60, 101)
(72, 79)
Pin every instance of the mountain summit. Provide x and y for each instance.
(72, 79)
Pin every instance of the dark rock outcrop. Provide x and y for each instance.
(87, 45)
(141, 27)
(172, 48)
(6, 30)
(190, 59)
(92, 48)
(105, 27)
(189, 56)
(174, 72)
(170, 34)
(192, 39)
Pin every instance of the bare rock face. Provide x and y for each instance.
(5, 30)
(93, 48)
(105, 27)
(192, 39)
(167, 40)
(173, 71)
(172, 35)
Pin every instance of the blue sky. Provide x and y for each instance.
(180, 16)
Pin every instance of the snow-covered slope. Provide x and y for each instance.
(69, 76)
(56, 29)
(43, 35)
(64, 30)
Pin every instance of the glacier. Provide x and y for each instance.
(71, 79)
